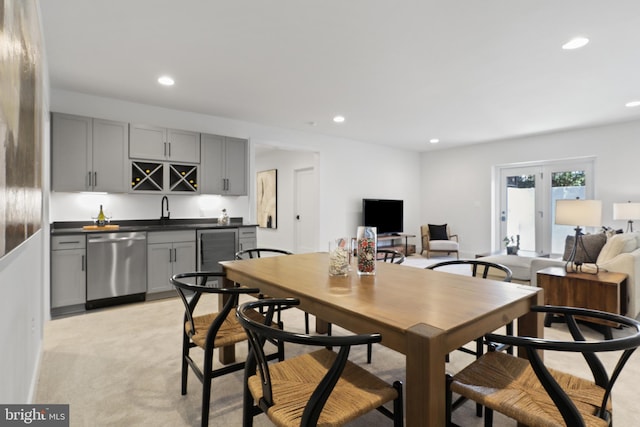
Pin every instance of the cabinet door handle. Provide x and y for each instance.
(170, 260)
(164, 153)
(82, 264)
(175, 255)
(88, 179)
(169, 149)
(95, 179)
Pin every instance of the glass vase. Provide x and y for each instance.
(339, 257)
(367, 241)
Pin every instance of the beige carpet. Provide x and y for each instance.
(121, 367)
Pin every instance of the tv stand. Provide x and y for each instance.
(389, 242)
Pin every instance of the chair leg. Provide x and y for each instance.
(185, 368)
(206, 386)
(398, 406)
(479, 351)
(247, 407)
(306, 323)
(448, 401)
(488, 417)
(510, 332)
(369, 351)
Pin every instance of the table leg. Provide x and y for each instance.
(322, 326)
(425, 383)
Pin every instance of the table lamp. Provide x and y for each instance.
(628, 211)
(586, 213)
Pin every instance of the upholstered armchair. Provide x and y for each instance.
(438, 238)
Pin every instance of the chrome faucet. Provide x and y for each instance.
(162, 217)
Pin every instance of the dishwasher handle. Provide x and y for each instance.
(116, 237)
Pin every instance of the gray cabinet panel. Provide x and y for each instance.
(88, 154)
(68, 272)
(109, 155)
(70, 152)
(247, 238)
(169, 253)
(158, 143)
(236, 166)
(223, 165)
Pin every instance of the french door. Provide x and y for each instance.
(527, 199)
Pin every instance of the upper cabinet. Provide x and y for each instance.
(88, 154)
(157, 143)
(223, 165)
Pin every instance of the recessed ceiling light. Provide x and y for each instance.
(338, 119)
(632, 104)
(166, 81)
(575, 43)
(434, 140)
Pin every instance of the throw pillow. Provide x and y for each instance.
(616, 244)
(438, 232)
(589, 250)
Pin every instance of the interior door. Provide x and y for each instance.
(306, 214)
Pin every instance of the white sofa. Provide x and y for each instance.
(620, 254)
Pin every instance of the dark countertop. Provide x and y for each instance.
(75, 227)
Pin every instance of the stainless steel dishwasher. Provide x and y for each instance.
(116, 268)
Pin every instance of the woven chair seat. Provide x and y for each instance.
(230, 332)
(508, 385)
(294, 380)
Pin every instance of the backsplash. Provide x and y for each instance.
(84, 206)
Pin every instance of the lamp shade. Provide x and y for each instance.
(587, 213)
(626, 211)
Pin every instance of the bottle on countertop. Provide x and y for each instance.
(102, 219)
(224, 218)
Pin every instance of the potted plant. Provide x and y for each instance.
(512, 244)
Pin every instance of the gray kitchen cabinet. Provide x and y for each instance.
(223, 165)
(169, 253)
(157, 143)
(68, 274)
(88, 154)
(247, 238)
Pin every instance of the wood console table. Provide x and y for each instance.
(604, 291)
(407, 249)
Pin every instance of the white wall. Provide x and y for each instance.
(24, 284)
(457, 184)
(286, 162)
(348, 170)
(21, 319)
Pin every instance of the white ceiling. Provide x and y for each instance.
(401, 72)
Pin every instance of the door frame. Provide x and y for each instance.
(544, 221)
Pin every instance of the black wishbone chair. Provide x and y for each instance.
(267, 252)
(535, 395)
(212, 330)
(390, 255)
(318, 388)
(485, 270)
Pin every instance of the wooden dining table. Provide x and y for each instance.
(423, 314)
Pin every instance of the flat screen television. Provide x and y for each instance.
(386, 215)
